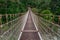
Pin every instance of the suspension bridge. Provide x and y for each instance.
(29, 27)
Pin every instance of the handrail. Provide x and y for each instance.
(43, 25)
(15, 28)
(11, 27)
(47, 15)
(11, 21)
(50, 22)
(50, 29)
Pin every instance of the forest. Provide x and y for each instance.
(49, 7)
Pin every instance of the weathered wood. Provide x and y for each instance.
(0, 19)
(29, 31)
(59, 20)
(6, 18)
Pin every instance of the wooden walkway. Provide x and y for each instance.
(30, 32)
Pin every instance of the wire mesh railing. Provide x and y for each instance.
(47, 29)
(54, 18)
(6, 21)
(12, 28)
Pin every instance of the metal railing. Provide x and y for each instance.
(47, 29)
(14, 28)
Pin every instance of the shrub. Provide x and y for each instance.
(35, 10)
(48, 15)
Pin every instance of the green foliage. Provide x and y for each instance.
(47, 14)
(55, 6)
(35, 10)
(5, 28)
(3, 19)
(42, 6)
(2, 6)
(10, 7)
(56, 19)
(55, 28)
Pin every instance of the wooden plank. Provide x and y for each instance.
(29, 31)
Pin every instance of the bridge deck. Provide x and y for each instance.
(29, 32)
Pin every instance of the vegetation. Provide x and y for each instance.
(48, 16)
(38, 6)
(11, 7)
(50, 7)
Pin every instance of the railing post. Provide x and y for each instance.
(59, 20)
(6, 18)
(10, 19)
(0, 23)
(53, 18)
(0, 20)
